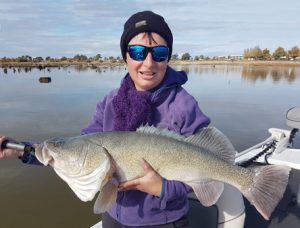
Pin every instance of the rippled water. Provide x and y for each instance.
(242, 101)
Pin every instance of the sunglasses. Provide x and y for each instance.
(140, 52)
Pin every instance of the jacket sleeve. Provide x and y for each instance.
(29, 158)
(173, 190)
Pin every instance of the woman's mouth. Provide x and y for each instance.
(147, 74)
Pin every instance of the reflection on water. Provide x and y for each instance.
(242, 101)
(276, 73)
(223, 92)
(248, 72)
(78, 67)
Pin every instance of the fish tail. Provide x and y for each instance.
(268, 187)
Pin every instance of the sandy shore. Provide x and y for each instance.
(96, 64)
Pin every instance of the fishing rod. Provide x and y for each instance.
(7, 144)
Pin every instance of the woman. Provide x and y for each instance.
(150, 93)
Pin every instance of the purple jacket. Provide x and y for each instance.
(172, 108)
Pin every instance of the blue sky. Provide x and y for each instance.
(200, 27)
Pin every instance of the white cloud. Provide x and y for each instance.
(57, 28)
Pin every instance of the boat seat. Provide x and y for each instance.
(229, 210)
(293, 117)
(201, 216)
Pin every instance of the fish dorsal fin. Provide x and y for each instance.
(160, 131)
(208, 138)
(215, 142)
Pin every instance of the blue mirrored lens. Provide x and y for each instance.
(160, 53)
(139, 52)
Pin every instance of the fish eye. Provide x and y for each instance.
(56, 142)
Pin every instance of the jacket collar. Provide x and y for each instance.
(172, 79)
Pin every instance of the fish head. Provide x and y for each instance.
(82, 162)
(72, 155)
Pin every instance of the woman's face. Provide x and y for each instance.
(146, 74)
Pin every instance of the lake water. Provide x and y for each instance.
(242, 101)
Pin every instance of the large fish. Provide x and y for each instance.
(204, 161)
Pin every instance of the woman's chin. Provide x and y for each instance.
(145, 85)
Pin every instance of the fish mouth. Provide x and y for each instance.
(43, 154)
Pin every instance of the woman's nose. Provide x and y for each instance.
(148, 60)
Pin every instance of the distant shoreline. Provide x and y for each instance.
(96, 64)
(238, 62)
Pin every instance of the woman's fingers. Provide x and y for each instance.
(150, 183)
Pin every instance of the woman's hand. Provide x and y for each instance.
(8, 153)
(150, 183)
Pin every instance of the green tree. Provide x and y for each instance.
(279, 52)
(294, 52)
(76, 57)
(174, 57)
(38, 59)
(28, 58)
(83, 58)
(112, 59)
(186, 56)
(266, 54)
(98, 57)
(246, 54)
(257, 52)
(80, 57)
(22, 59)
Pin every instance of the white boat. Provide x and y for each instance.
(229, 211)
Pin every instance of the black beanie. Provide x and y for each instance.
(145, 21)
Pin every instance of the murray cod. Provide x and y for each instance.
(204, 161)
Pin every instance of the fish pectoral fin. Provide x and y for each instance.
(207, 192)
(107, 197)
(86, 186)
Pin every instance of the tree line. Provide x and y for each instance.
(255, 53)
(76, 58)
(264, 54)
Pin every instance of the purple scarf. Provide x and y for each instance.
(132, 107)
